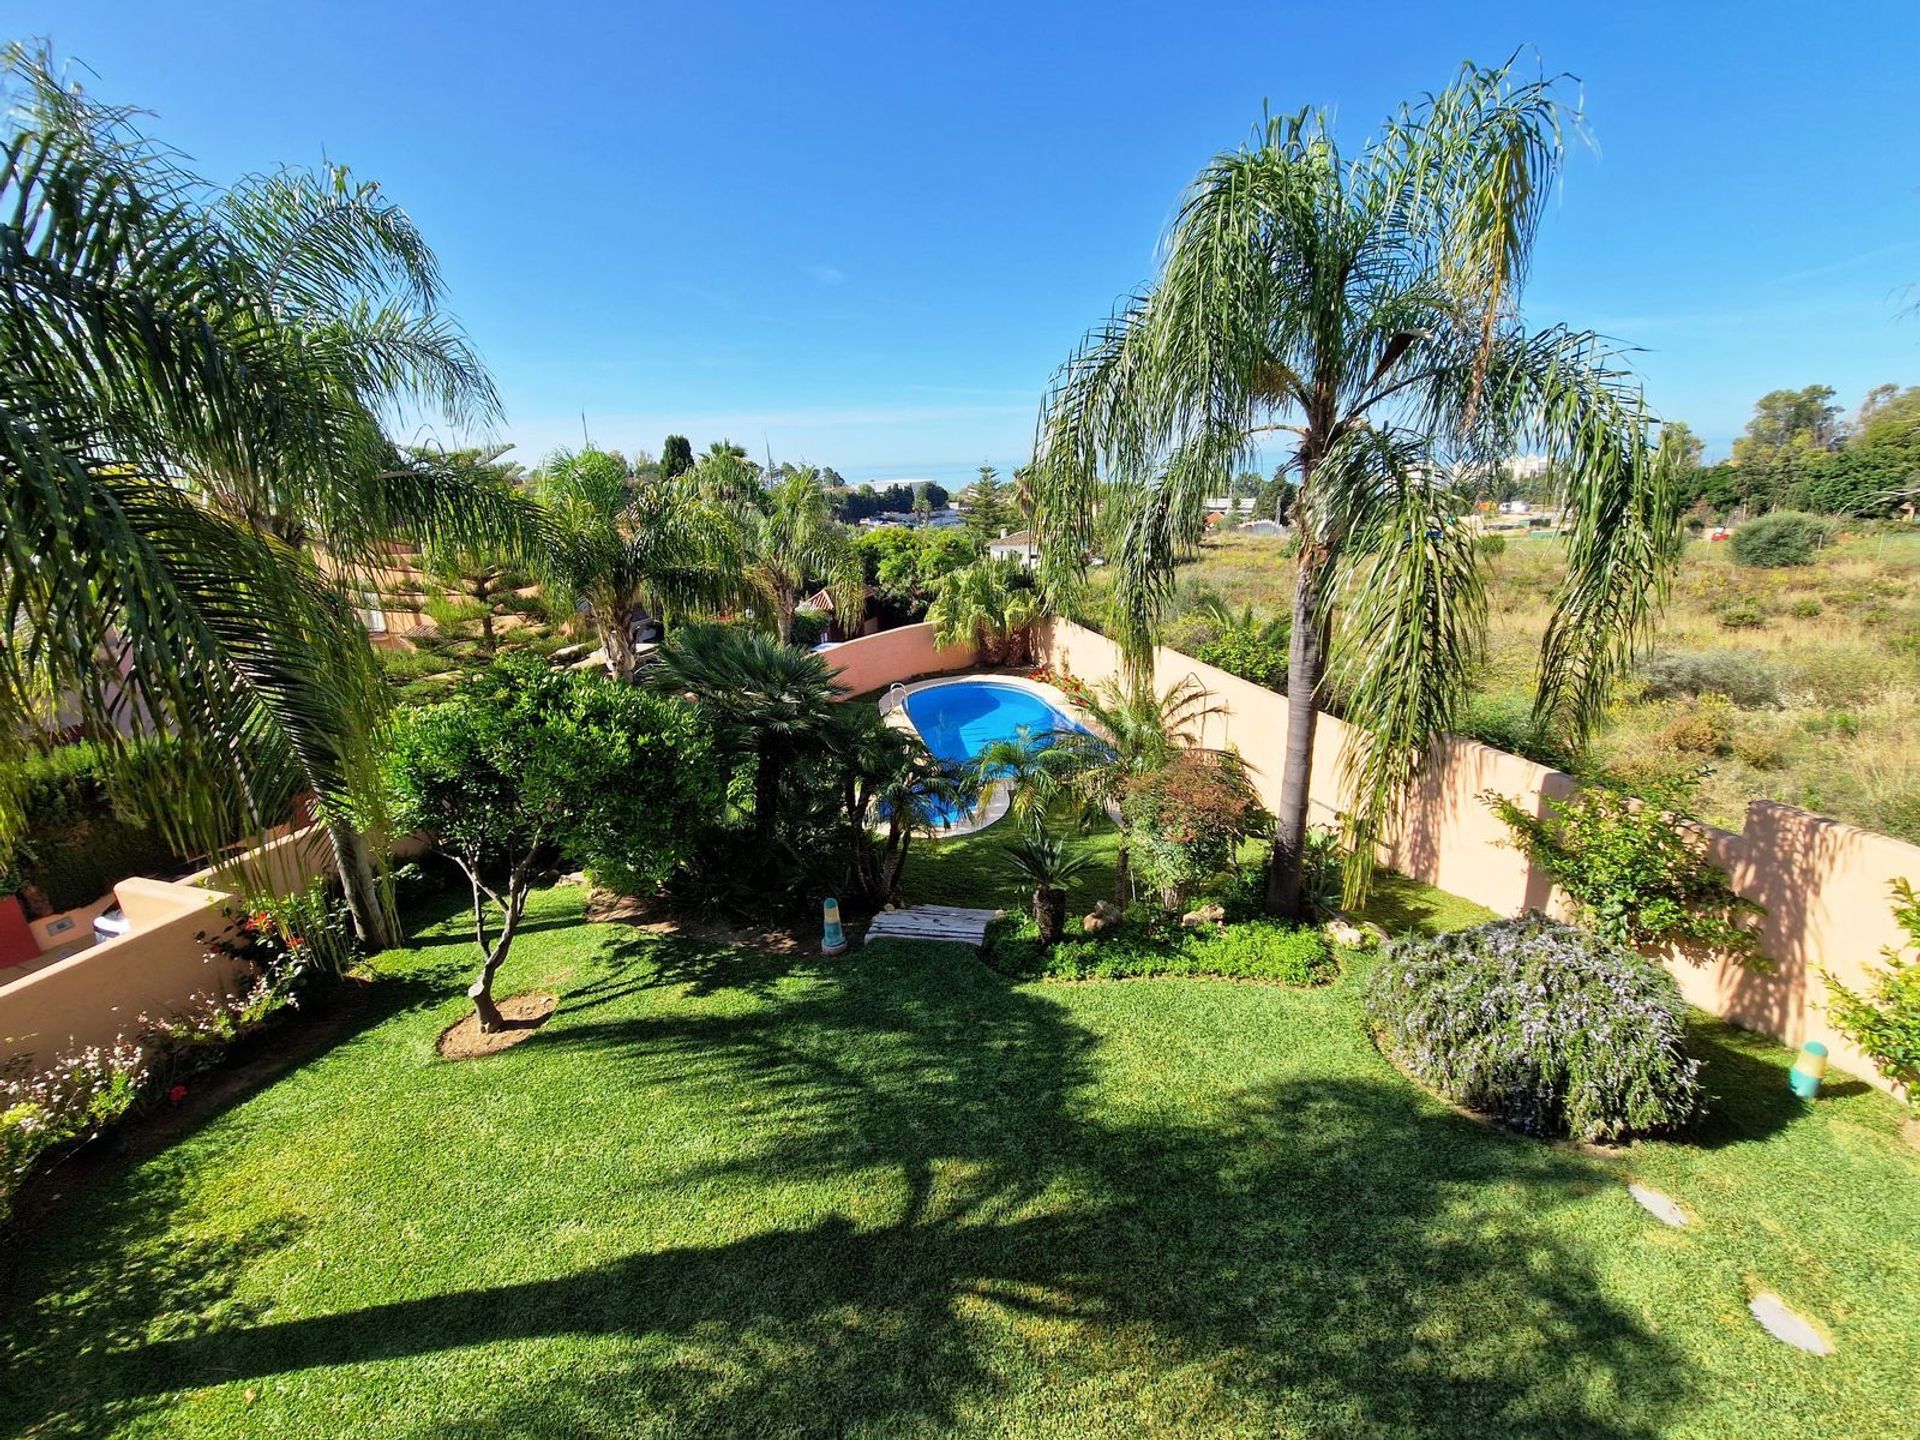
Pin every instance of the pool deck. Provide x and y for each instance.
(999, 795)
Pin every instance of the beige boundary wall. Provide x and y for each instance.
(99, 995)
(875, 661)
(1824, 884)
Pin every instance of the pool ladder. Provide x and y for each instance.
(895, 697)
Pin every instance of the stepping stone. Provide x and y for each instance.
(1787, 1327)
(1662, 1207)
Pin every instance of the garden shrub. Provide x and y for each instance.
(1507, 722)
(1268, 950)
(79, 840)
(1885, 1020)
(1703, 728)
(1491, 546)
(1744, 676)
(1635, 869)
(809, 627)
(1549, 1029)
(1842, 676)
(1742, 615)
(1805, 608)
(1247, 656)
(1185, 821)
(1785, 537)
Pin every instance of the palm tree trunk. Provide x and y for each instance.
(1306, 665)
(354, 864)
(616, 638)
(1122, 878)
(766, 799)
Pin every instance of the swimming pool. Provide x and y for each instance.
(957, 719)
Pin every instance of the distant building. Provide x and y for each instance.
(1262, 527)
(1223, 504)
(1017, 546)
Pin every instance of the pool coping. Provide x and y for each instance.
(999, 798)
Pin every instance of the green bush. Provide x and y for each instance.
(1885, 1021)
(1248, 656)
(1508, 723)
(1742, 615)
(1742, 676)
(1842, 676)
(1805, 608)
(1785, 537)
(1636, 871)
(809, 628)
(79, 841)
(1549, 1029)
(1491, 546)
(1254, 950)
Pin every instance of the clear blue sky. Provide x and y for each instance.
(865, 235)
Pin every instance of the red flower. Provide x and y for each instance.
(177, 1094)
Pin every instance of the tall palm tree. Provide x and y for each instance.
(1366, 307)
(794, 542)
(1133, 733)
(627, 548)
(193, 396)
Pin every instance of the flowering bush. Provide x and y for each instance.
(282, 946)
(1063, 680)
(1185, 821)
(1549, 1029)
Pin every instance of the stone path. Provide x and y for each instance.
(932, 922)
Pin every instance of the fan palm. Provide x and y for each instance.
(766, 702)
(627, 548)
(193, 393)
(795, 541)
(1134, 733)
(893, 788)
(1365, 306)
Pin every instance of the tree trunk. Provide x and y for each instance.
(766, 798)
(1306, 665)
(1049, 913)
(353, 863)
(616, 638)
(481, 991)
(486, 627)
(1122, 878)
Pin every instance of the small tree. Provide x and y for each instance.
(892, 788)
(526, 766)
(1636, 870)
(1045, 862)
(1785, 537)
(1184, 822)
(1885, 1021)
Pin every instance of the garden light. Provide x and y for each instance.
(834, 941)
(1804, 1077)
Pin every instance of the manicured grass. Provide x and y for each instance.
(893, 1194)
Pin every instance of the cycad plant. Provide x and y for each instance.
(191, 405)
(1045, 862)
(1364, 308)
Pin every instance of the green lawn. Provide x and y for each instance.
(894, 1195)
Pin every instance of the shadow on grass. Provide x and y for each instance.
(1295, 1258)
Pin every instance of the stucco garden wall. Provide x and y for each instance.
(1824, 884)
(875, 661)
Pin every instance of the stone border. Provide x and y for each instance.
(998, 799)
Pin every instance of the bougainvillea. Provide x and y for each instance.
(1551, 1030)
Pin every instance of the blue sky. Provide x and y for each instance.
(865, 235)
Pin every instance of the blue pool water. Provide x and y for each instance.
(960, 720)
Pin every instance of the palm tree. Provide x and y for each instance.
(1365, 307)
(1250, 623)
(193, 398)
(1034, 770)
(893, 788)
(794, 542)
(766, 702)
(988, 604)
(628, 549)
(1134, 733)
(1045, 862)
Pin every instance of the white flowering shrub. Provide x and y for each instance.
(1549, 1029)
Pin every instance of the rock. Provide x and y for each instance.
(1662, 1207)
(1347, 935)
(1105, 916)
(1779, 1321)
(1203, 915)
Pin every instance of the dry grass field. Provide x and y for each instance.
(1799, 684)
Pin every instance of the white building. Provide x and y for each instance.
(1017, 546)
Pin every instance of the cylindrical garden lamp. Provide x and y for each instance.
(834, 941)
(1808, 1070)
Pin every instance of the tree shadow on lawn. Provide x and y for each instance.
(1319, 1257)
